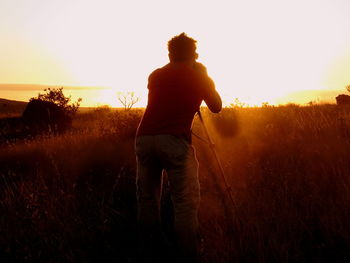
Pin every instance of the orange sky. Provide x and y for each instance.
(255, 50)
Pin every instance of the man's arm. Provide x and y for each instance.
(211, 96)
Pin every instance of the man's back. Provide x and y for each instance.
(175, 94)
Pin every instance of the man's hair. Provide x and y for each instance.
(181, 48)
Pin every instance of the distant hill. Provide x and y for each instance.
(14, 108)
(11, 108)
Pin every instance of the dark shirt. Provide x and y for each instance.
(175, 93)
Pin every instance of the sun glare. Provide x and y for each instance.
(257, 51)
(108, 97)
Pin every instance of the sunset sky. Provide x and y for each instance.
(254, 50)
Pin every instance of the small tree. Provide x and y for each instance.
(127, 99)
(56, 96)
(343, 99)
(238, 104)
(50, 112)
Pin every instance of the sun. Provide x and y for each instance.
(107, 97)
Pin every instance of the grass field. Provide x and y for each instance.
(71, 198)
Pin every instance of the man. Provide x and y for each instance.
(163, 142)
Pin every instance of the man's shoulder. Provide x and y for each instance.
(186, 72)
(156, 72)
(163, 71)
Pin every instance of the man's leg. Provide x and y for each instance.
(182, 170)
(148, 184)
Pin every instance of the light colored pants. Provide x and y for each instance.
(177, 157)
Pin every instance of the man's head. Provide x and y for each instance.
(182, 48)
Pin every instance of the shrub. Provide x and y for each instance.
(50, 112)
(343, 99)
(44, 116)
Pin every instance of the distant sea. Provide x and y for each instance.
(92, 96)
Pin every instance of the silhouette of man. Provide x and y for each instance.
(163, 142)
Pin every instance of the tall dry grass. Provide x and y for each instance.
(289, 168)
(71, 198)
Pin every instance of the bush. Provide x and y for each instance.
(343, 99)
(56, 96)
(43, 116)
(50, 112)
